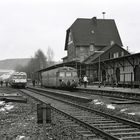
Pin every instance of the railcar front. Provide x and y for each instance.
(67, 77)
(18, 79)
(62, 77)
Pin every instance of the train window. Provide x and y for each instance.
(68, 74)
(22, 76)
(62, 74)
(15, 77)
(74, 73)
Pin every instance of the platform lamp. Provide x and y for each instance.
(99, 72)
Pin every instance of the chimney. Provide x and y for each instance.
(103, 15)
(94, 19)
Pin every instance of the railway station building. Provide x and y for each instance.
(95, 48)
(85, 36)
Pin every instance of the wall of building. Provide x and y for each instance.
(71, 52)
(82, 52)
(114, 52)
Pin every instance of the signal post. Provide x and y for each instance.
(44, 116)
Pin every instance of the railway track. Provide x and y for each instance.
(91, 123)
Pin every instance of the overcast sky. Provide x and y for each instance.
(29, 25)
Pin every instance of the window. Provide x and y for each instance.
(122, 53)
(68, 74)
(74, 74)
(15, 77)
(82, 57)
(116, 55)
(81, 49)
(62, 74)
(70, 38)
(109, 55)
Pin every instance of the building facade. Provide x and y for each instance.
(87, 41)
(85, 36)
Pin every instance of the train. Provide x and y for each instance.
(61, 77)
(18, 79)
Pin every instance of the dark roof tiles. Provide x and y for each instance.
(97, 31)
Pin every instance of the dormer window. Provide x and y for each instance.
(122, 53)
(112, 42)
(116, 55)
(92, 31)
(70, 38)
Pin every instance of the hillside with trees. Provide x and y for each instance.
(11, 64)
(29, 65)
(37, 62)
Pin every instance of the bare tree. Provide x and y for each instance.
(40, 60)
(36, 63)
(50, 56)
(19, 68)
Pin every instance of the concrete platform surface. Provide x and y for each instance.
(108, 88)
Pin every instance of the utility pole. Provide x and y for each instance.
(99, 68)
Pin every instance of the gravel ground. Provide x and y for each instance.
(104, 104)
(18, 122)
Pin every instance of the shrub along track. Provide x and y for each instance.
(88, 122)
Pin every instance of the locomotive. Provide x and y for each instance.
(61, 77)
(18, 79)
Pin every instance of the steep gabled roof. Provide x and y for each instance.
(94, 56)
(97, 31)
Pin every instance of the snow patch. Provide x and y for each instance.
(132, 113)
(8, 107)
(110, 106)
(20, 137)
(123, 110)
(2, 103)
(2, 109)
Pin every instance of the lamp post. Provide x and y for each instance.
(99, 68)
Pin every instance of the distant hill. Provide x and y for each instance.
(10, 64)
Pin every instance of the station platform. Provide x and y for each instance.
(106, 88)
(109, 88)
